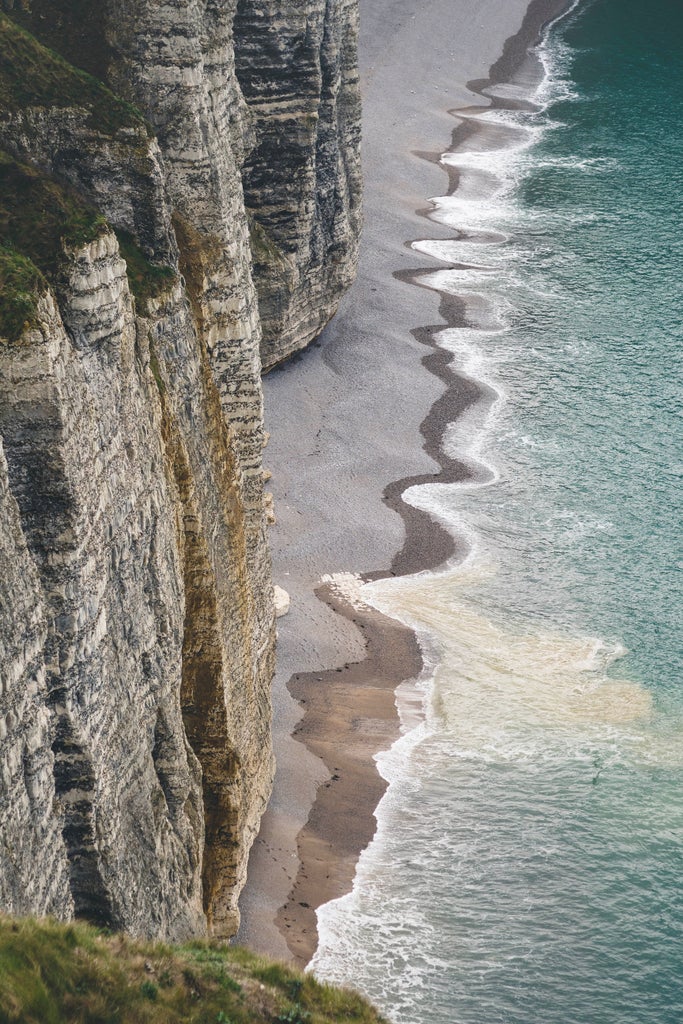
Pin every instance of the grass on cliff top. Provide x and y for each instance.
(52, 973)
(31, 75)
(38, 216)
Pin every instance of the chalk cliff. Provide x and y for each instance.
(297, 67)
(145, 257)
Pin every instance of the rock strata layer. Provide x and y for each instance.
(297, 66)
(136, 604)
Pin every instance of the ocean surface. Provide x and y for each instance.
(528, 863)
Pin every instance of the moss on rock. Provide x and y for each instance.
(146, 280)
(39, 220)
(39, 217)
(264, 251)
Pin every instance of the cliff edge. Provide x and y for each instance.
(147, 267)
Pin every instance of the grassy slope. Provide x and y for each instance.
(31, 75)
(38, 218)
(51, 973)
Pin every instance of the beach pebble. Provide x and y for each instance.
(281, 598)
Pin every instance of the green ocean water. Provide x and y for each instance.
(528, 864)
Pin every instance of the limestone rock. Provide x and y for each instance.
(81, 423)
(281, 601)
(34, 876)
(297, 67)
(136, 605)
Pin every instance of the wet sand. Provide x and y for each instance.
(354, 421)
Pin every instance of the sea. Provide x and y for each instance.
(528, 861)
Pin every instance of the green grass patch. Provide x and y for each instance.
(264, 251)
(147, 280)
(156, 372)
(32, 75)
(53, 973)
(38, 217)
(21, 284)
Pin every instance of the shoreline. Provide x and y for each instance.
(348, 711)
(346, 721)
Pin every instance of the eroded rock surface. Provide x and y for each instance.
(136, 604)
(297, 66)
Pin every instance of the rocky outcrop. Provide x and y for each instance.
(297, 67)
(136, 606)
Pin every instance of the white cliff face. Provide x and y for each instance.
(156, 699)
(30, 833)
(228, 628)
(121, 173)
(297, 67)
(81, 418)
(187, 88)
(136, 604)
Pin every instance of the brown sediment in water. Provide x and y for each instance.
(349, 712)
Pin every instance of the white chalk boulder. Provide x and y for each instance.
(281, 601)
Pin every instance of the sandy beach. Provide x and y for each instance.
(353, 422)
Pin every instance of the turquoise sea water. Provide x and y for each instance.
(528, 865)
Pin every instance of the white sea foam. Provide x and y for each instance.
(453, 250)
(556, 84)
(497, 686)
(494, 682)
(589, 165)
